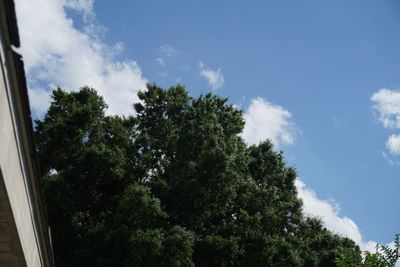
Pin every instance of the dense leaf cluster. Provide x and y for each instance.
(384, 256)
(174, 185)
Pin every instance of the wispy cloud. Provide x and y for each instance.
(335, 122)
(164, 52)
(71, 58)
(161, 61)
(84, 6)
(214, 77)
(168, 51)
(265, 120)
(390, 159)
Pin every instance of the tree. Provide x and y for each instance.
(174, 185)
(384, 256)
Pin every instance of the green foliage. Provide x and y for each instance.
(384, 256)
(175, 185)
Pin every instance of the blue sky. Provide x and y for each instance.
(315, 65)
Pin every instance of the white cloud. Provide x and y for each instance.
(387, 103)
(393, 144)
(329, 213)
(265, 120)
(39, 100)
(214, 77)
(57, 54)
